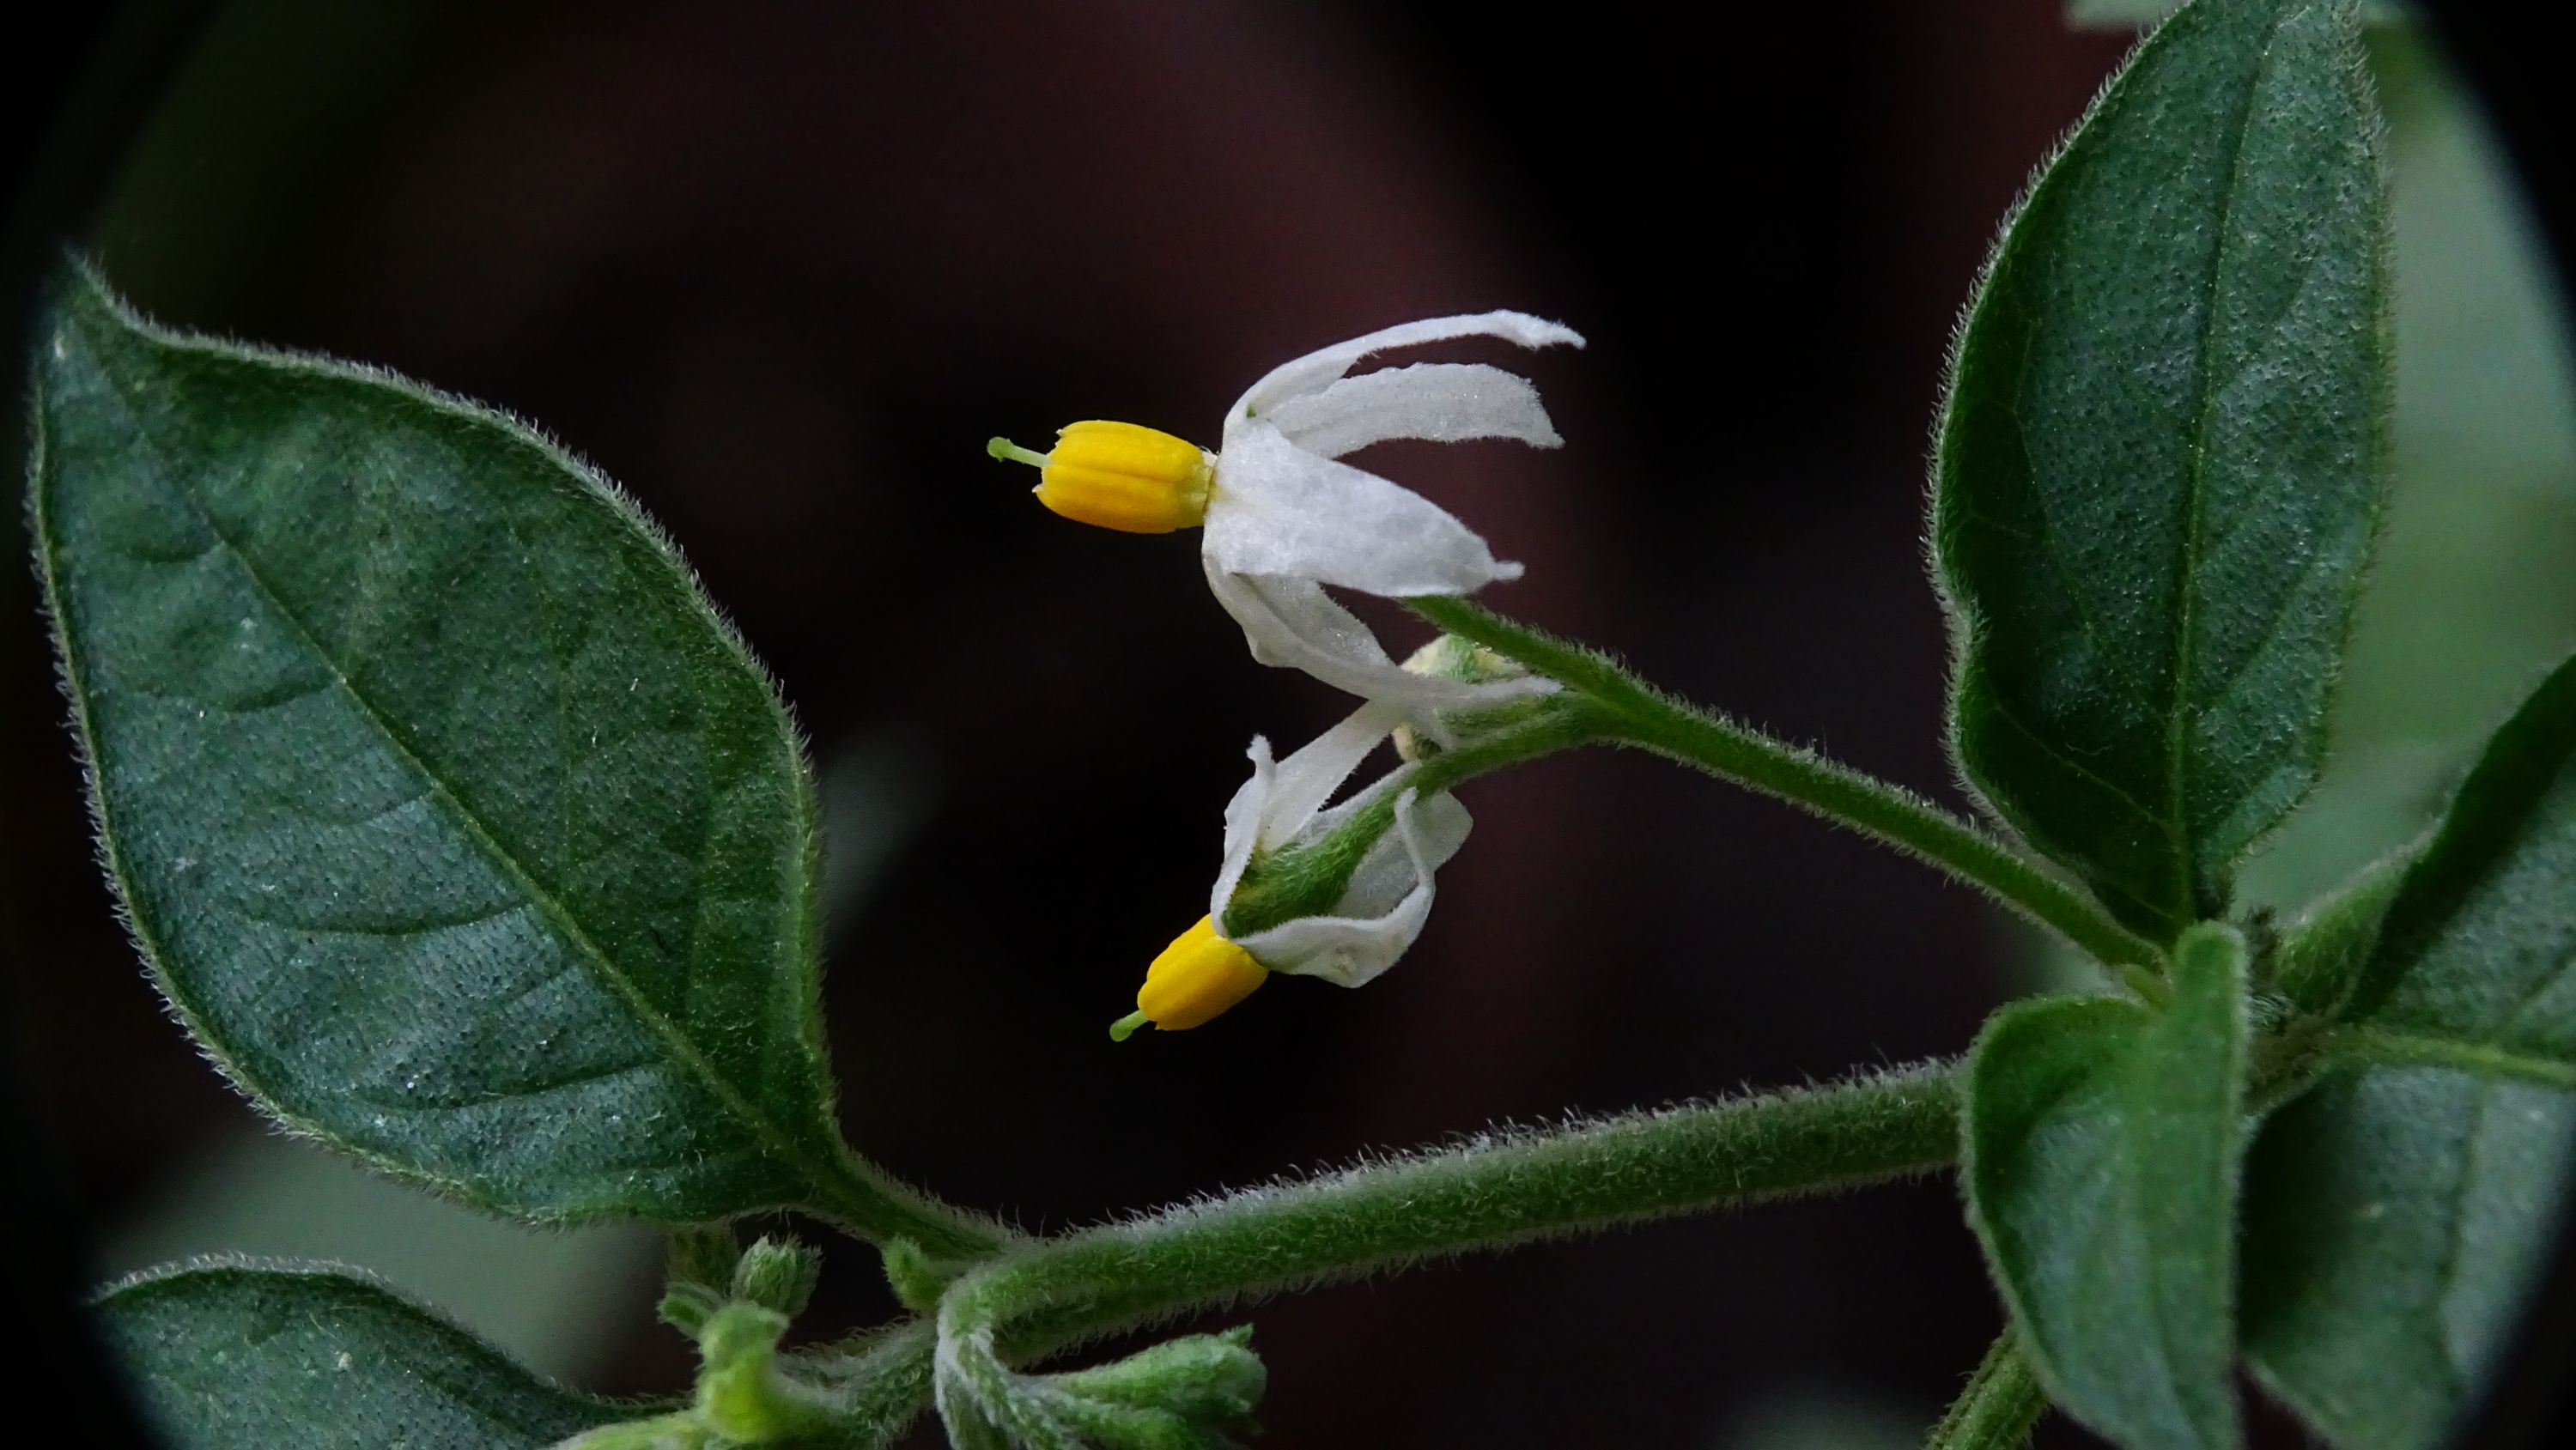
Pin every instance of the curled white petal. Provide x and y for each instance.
(1293, 624)
(1278, 509)
(1243, 826)
(1311, 773)
(1435, 402)
(1387, 874)
(1277, 805)
(1352, 950)
(1312, 372)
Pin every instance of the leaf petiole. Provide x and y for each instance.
(1999, 1408)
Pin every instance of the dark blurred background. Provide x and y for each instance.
(779, 270)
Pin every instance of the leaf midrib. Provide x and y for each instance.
(2196, 491)
(2397, 1048)
(719, 1085)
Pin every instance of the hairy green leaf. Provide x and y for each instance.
(449, 815)
(2159, 464)
(2102, 1153)
(2397, 1212)
(2395, 1219)
(2479, 946)
(282, 1357)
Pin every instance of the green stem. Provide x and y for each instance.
(868, 1206)
(1642, 716)
(881, 1380)
(2000, 1406)
(1507, 1189)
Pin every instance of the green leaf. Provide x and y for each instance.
(2101, 1159)
(449, 815)
(2108, 14)
(2395, 1218)
(2479, 946)
(2130, 14)
(281, 1357)
(2159, 463)
(2397, 1212)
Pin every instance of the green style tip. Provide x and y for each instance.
(1010, 452)
(1125, 1027)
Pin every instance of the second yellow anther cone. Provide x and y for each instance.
(1121, 476)
(1198, 976)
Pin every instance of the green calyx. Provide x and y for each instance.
(1307, 879)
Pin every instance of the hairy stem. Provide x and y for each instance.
(1643, 716)
(2000, 1406)
(1495, 1191)
(878, 1210)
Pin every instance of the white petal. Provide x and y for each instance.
(1278, 509)
(1386, 875)
(1438, 402)
(1310, 373)
(1351, 950)
(1293, 624)
(1279, 801)
(1243, 826)
(1308, 777)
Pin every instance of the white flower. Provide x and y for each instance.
(1379, 912)
(1285, 520)
(1388, 899)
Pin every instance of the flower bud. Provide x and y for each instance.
(778, 1275)
(1468, 663)
(1198, 976)
(1120, 476)
(1179, 1396)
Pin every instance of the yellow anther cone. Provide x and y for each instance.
(1198, 976)
(1120, 476)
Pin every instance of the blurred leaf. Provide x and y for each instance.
(2110, 14)
(2397, 1212)
(252, 1357)
(2395, 1220)
(555, 1300)
(2134, 14)
(450, 816)
(2101, 1161)
(2470, 597)
(2478, 948)
(2159, 459)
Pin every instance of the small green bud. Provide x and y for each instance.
(917, 1279)
(1131, 1427)
(778, 1275)
(1204, 1379)
(1468, 663)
